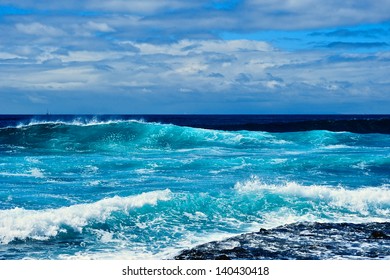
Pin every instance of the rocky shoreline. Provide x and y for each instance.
(300, 241)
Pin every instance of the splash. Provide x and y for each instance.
(21, 224)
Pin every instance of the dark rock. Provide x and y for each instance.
(377, 234)
(222, 257)
(263, 231)
(301, 241)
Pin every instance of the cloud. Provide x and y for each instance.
(216, 75)
(310, 14)
(99, 26)
(169, 56)
(211, 46)
(39, 29)
(9, 56)
(140, 7)
(356, 45)
(178, 76)
(350, 33)
(177, 16)
(243, 78)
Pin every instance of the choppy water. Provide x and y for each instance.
(133, 187)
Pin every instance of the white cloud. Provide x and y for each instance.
(162, 49)
(248, 15)
(198, 66)
(184, 47)
(99, 26)
(40, 78)
(185, 90)
(145, 6)
(39, 29)
(7, 55)
(303, 14)
(90, 56)
(191, 68)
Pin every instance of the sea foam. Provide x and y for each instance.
(19, 223)
(360, 199)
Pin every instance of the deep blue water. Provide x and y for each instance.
(147, 187)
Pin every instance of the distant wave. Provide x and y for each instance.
(108, 135)
(83, 122)
(267, 123)
(381, 125)
(91, 135)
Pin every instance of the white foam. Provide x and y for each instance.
(33, 172)
(20, 223)
(93, 183)
(361, 165)
(196, 216)
(336, 147)
(278, 160)
(141, 251)
(359, 199)
(37, 173)
(76, 122)
(286, 215)
(32, 160)
(142, 171)
(90, 170)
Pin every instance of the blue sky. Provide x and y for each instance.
(182, 56)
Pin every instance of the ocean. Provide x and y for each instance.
(152, 186)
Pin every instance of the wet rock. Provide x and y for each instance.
(301, 241)
(263, 231)
(222, 257)
(377, 234)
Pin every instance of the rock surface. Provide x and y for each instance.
(310, 241)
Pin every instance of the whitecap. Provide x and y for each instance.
(33, 172)
(336, 147)
(359, 199)
(19, 223)
(75, 122)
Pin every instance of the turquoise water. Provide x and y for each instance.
(136, 189)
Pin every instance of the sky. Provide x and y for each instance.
(195, 57)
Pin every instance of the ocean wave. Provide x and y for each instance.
(269, 123)
(96, 134)
(76, 122)
(81, 136)
(337, 147)
(33, 172)
(21, 224)
(354, 124)
(363, 200)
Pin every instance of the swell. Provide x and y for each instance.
(111, 135)
(355, 126)
(93, 135)
(267, 123)
(80, 136)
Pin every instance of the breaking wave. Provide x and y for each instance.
(21, 224)
(364, 200)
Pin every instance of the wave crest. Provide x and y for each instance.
(19, 223)
(360, 200)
